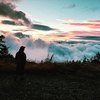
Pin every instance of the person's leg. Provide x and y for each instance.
(16, 71)
(21, 72)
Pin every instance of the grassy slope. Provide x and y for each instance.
(47, 81)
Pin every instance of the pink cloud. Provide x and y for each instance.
(94, 21)
(86, 33)
(72, 34)
(95, 24)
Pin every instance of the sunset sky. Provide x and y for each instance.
(41, 24)
(59, 19)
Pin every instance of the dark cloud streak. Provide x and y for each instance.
(42, 27)
(96, 38)
(8, 22)
(70, 6)
(95, 9)
(34, 26)
(92, 9)
(21, 35)
(7, 10)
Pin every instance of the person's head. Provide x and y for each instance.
(22, 48)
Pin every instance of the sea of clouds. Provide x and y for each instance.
(37, 50)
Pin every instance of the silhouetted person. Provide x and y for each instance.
(20, 61)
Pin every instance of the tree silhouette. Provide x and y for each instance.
(3, 49)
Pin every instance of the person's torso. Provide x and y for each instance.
(20, 57)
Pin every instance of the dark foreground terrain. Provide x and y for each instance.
(49, 87)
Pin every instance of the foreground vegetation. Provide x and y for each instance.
(86, 68)
(51, 81)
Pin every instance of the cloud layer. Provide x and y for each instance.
(38, 49)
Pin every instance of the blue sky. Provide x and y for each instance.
(66, 18)
(50, 10)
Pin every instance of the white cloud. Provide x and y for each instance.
(39, 49)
